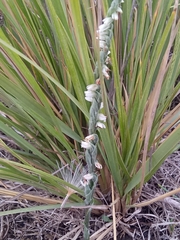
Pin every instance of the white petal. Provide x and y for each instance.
(89, 138)
(89, 99)
(108, 60)
(100, 125)
(90, 93)
(102, 117)
(86, 145)
(107, 20)
(84, 183)
(115, 16)
(98, 165)
(102, 37)
(105, 68)
(103, 27)
(102, 44)
(102, 32)
(98, 81)
(106, 75)
(92, 87)
(105, 71)
(119, 10)
(102, 105)
(88, 176)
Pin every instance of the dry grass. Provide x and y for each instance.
(160, 221)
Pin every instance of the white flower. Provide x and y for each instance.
(107, 20)
(103, 27)
(101, 33)
(91, 92)
(86, 178)
(84, 183)
(102, 37)
(89, 99)
(89, 138)
(105, 68)
(102, 105)
(119, 10)
(108, 60)
(115, 16)
(92, 87)
(100, 125)
(90, 95)
(102, 117)
(98, 81)
(102, 44)
(86, 145)
(105, 71)
(106, 75)
(98, 165)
